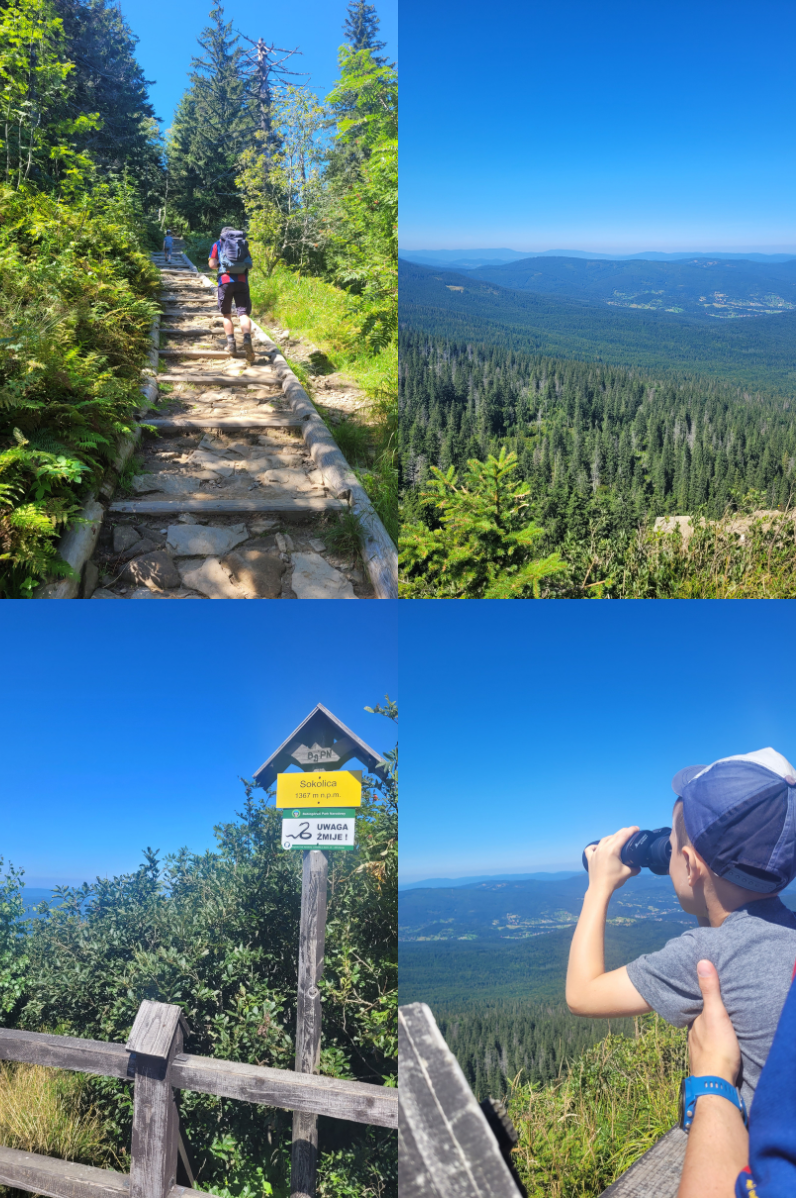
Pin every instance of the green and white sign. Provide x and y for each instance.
(317, 832)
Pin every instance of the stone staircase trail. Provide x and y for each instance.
(228, 503)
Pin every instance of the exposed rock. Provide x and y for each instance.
(317, 544)
(258, 527)
(187, 518)
(143, 545)
(314, 578)
(316, 477)
(143, 593)
(190, 541)
(142, 484)
(90, 579)
(211, 443)
(154, 570)
(257, 572)
(103, 594)
(210, 578)
(176, 484)
(210, 461)
(124, 537)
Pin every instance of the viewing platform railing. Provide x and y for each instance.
(153, 1059)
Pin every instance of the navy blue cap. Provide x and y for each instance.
(740, 816)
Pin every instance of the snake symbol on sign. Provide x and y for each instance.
(302, 834)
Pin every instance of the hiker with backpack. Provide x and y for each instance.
(231, 258)
(168, 242)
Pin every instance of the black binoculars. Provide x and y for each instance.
(644, 850)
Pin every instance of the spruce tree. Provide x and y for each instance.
(107, 80)
(212, 128)
(361, 30)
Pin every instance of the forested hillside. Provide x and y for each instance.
(502, 910)
(757, 352)
(704, 288)
(529, 1041)
(598, 451)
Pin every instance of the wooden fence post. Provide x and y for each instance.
(312, 938)
(156, 1038)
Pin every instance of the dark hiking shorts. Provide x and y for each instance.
(237, 294)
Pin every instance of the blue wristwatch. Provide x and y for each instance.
(692, 1088)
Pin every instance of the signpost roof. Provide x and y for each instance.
(324, 728)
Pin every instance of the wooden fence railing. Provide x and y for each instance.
(154, 1059)
(656, 1174)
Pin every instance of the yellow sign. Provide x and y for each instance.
(326, 788)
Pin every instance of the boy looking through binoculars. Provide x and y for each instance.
(733, 849)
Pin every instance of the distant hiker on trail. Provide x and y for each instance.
(230, 257)
(168, 242)
(733, 849)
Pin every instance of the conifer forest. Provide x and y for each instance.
(584, 457)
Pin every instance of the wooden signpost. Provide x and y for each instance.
(331, 745)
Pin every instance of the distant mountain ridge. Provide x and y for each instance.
(757, 352)
(451, 883)
(467, 259)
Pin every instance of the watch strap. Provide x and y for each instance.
(695, 1087)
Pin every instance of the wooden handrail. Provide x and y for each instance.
(656, 1174)
(359, 1102)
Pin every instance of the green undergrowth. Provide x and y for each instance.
(331, 319)
(78, 301)
(580, 1132)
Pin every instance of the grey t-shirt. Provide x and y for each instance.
(754, 952)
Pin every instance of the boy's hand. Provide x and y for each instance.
(712, 1043)
(607, 871)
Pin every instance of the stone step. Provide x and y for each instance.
(196, 332)
(195, 353)
(223, 380)
(287, 505)
(225, 422)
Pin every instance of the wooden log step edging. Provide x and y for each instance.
(224, 422)
(287, 505)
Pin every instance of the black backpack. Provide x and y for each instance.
(233, 252)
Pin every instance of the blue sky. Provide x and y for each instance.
(530, 729)
(168, 33)
(615, 127)
(123, 731)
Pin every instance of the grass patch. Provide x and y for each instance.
(327, 316)
(579, 1133)
(46, 1111)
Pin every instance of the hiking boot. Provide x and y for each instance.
(232, 349)
(248, 349)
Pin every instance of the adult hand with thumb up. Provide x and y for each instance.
(718, 1143)
(713, 1048)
